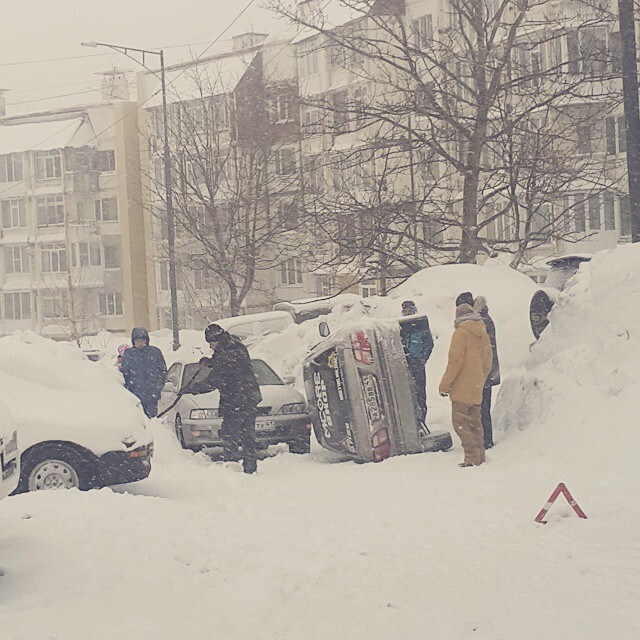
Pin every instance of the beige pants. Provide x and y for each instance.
(468, 425)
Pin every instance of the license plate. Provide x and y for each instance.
(265, 425)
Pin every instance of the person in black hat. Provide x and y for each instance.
(144, 371)
(466, 297)
(230, 371)
(417, 342)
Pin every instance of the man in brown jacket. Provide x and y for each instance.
(470, 359)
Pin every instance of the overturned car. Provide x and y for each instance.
(362, 396)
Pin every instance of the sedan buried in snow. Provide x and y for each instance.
(282, 414)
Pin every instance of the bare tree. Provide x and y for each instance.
(235, 188)
(462, 92)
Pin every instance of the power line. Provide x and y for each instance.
(41, 60)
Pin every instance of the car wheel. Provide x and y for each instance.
(53, 466)
(300, 445)
(179, 433)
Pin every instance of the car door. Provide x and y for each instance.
(171, 386)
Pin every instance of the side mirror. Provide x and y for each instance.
(289, 380)
(170, 387)
(323, 329)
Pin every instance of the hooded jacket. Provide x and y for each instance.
(470, 359)
(231, 372)
(144, 371)
(481, 307)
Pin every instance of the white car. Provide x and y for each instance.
(282, 414)
(9, 455)
(78, 427)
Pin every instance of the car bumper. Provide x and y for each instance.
(200, 434)
(121, 467)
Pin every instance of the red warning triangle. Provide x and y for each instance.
(560, 489)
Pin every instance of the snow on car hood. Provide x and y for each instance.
(54, 393)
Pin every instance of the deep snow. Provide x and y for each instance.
(411, 548)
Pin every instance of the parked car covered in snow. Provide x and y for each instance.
(255, 326)
(78, 426)
(283, 415)
(361, 394)
(562, 269)
(9, 455)
(308, 309)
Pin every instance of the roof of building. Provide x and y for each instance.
(16, 136)
(209, 77)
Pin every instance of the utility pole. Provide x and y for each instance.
(631, 109)
(171, 228)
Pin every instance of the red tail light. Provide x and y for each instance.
(381, 445)
(361, 347)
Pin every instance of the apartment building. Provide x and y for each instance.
(72, 234)
(235, 153)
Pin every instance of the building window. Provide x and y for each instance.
(579, 212)
(281, 109)
(609, 211)
(625, 216)
(308, 61)
(48, 165)
(594, 212)
(50, 211)
(13, 214)
(291, 272)
(55, 304)
(111, 304)
(337, 55)
(16, 259)
(368, 290)
(107, 210)
(340, 109)
(587, 51)
(111, 256)
(203, 279)
(11, 167)
(583, 136)
(17, 305)
(88, 254)
(53, 257)
(616, 135)
(422, 31)
(164, 276)
(285, 161)
(105, 161)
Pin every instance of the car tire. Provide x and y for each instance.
(50, 466)
(178, 431)
(300, 445)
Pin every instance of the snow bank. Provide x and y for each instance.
(581, 382)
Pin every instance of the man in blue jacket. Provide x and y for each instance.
(144, 371)
(417, 342)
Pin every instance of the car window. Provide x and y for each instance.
(264, 373)
(273, 326)
(173, 375)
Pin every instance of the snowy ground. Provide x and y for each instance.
(415, 547)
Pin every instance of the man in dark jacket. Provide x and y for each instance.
(417, 342)
(144, 371)
(230, 371)
(493, 379)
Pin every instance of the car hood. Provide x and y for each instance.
(274, 396)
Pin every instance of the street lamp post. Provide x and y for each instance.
(171, 231)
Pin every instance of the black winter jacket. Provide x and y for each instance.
(494, 375)
(144, 371)
(231, 372)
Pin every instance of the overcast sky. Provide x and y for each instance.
(37, 29)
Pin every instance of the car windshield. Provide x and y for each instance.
(265, 375)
